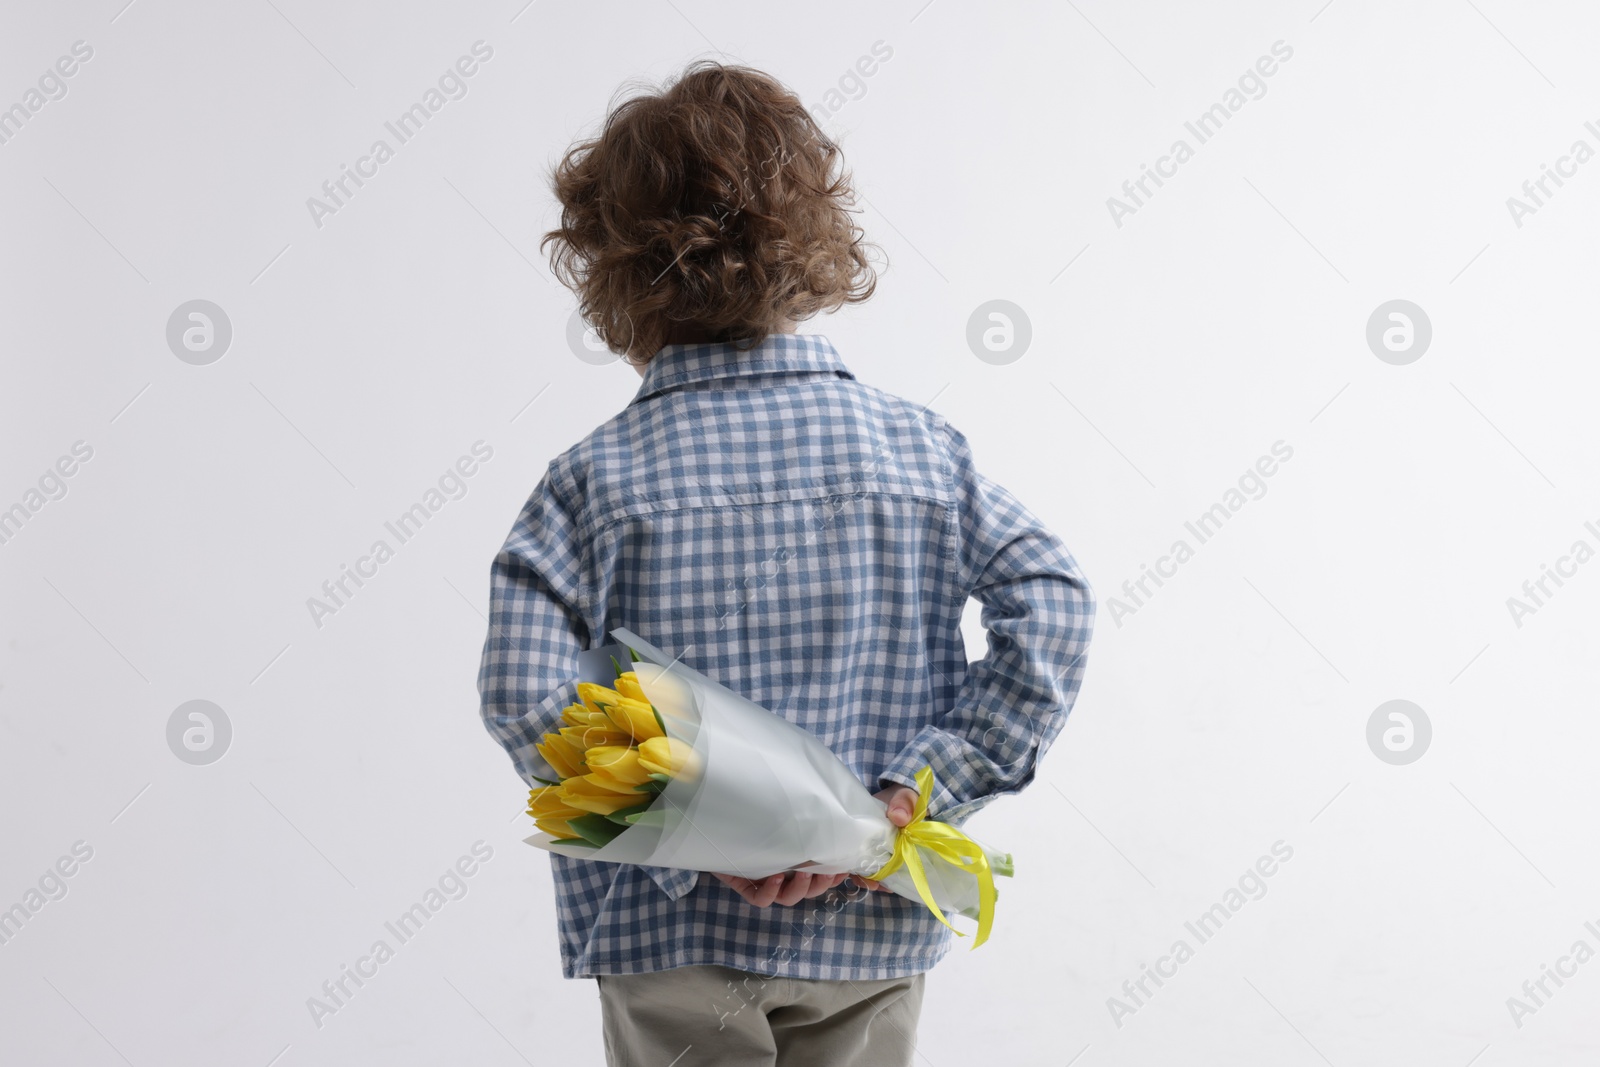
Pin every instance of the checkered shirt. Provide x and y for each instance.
(810, 542)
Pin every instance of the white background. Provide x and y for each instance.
(1227, 713)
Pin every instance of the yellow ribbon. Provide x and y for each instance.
(949, 844)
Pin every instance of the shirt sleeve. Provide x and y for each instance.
(538, 602)
(1038, 611)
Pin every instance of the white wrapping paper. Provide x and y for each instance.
(766, 796)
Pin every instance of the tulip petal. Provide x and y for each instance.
(669, 756)
(580, 715)
(557, 828)
(589, 795)
(560, 754)
(584, 738)
(616, 763)
(595, 696)
(548, 801)
(628, 686)
(636, 718)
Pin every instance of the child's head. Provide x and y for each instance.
(709, 210)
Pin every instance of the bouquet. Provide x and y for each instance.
(665, 767)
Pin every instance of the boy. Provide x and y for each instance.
(781, 524)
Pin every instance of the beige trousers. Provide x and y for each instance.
(704, 1015)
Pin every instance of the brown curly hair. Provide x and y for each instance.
(710, 210)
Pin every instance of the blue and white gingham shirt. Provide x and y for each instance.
(810, 542)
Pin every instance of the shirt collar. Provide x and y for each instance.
(779, 353)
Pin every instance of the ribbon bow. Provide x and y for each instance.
(948, 844)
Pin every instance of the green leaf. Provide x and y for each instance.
(621, 814)
(653, 817)
(1003, 868)
(659, 721)
(654, 788)
(595, 828)
(616, 666)
(578, 841)
(633, 656)
(662, 778)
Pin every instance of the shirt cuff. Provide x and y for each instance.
(945, 755)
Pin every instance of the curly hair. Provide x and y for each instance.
(711, 208)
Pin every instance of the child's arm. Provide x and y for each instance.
(537, 605)
(1039, 612)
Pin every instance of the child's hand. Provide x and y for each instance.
(785, 887)
(775, 889)
(902, 801)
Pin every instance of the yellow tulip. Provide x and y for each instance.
(588, 795)
(584, 738)
(628, 686)
(579, 715)
(616, 767)
(593, 696)
(550, 813)
(669, 756)
(546, 801)
(562, 754)
(634, 718)
(556, 827)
